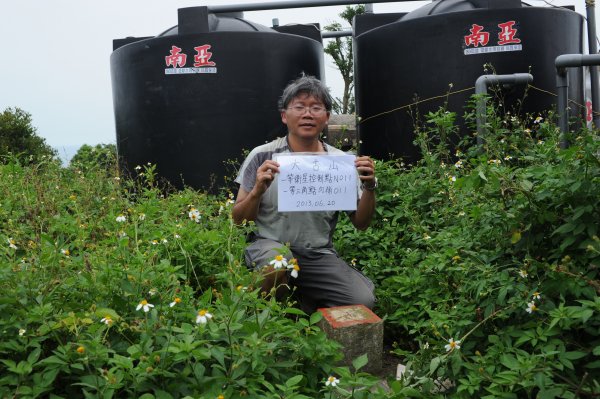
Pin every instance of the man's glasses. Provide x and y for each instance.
(315, 110)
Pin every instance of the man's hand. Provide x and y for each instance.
(366, 170)
(264, 176)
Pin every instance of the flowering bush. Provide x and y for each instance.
(486, 261)
(114, 288)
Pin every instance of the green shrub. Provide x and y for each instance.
(84, 253)
(102, 156)
(19, 139)
(496, 247)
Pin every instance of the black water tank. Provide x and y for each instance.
(448, 42)
(195, 96)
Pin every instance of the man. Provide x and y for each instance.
(324, 280)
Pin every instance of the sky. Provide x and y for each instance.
(55, 56)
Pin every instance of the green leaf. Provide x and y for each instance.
(482, 175)
(315, 317)
(294, 311)
(526, 185)
(565, 228)
(162, 394)
(574, 355)
(435, 363)
(516, 237)
(294, 380)
(360, 362)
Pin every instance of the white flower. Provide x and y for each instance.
(507, 158)
(458, 164)
(138, 167)
(176, 300)
(538, 119)
(523, 273)
(65, 252)
(11, 243)
(452, 344)
(331, 380)
(177, 236)
(229, 202)
(154, 242)
(164, 241)
(142, 216)
(121, 218)
(144, 305)
(426, 345)
(203, 317)
(22, 332)
(452, 179)
(152, 291)
(531, 307)
(107, 320)
(461, 213)
(122, 234)
(295, 269)
(278, 262)
(426, 236)
(194, 215)
(537, 295)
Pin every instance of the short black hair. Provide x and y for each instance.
(309, 85)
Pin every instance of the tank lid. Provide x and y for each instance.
(446, 6)
(192, 20)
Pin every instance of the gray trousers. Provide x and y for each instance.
(324, 279)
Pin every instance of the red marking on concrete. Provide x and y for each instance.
(344, 316)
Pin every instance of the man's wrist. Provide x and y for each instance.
(370, 187)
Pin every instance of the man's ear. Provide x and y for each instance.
(283, 117)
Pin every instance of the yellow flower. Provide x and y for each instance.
(11, 243)
(175, 302)
(107, 320)
(295, 270)
(203, 317)
(80, 350)
(331, 380)
(523, 273)
(194, 215)
(452, 344)
(144, 305)
(278, 262)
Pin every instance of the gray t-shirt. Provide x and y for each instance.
(302, 230)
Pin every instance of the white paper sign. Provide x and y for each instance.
(316, 183)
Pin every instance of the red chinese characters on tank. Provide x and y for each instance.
(506, 35)
(477, 36)
(202, 58)
(177, 59)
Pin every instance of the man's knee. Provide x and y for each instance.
(365, 297)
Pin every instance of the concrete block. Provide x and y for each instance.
(358, 330)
